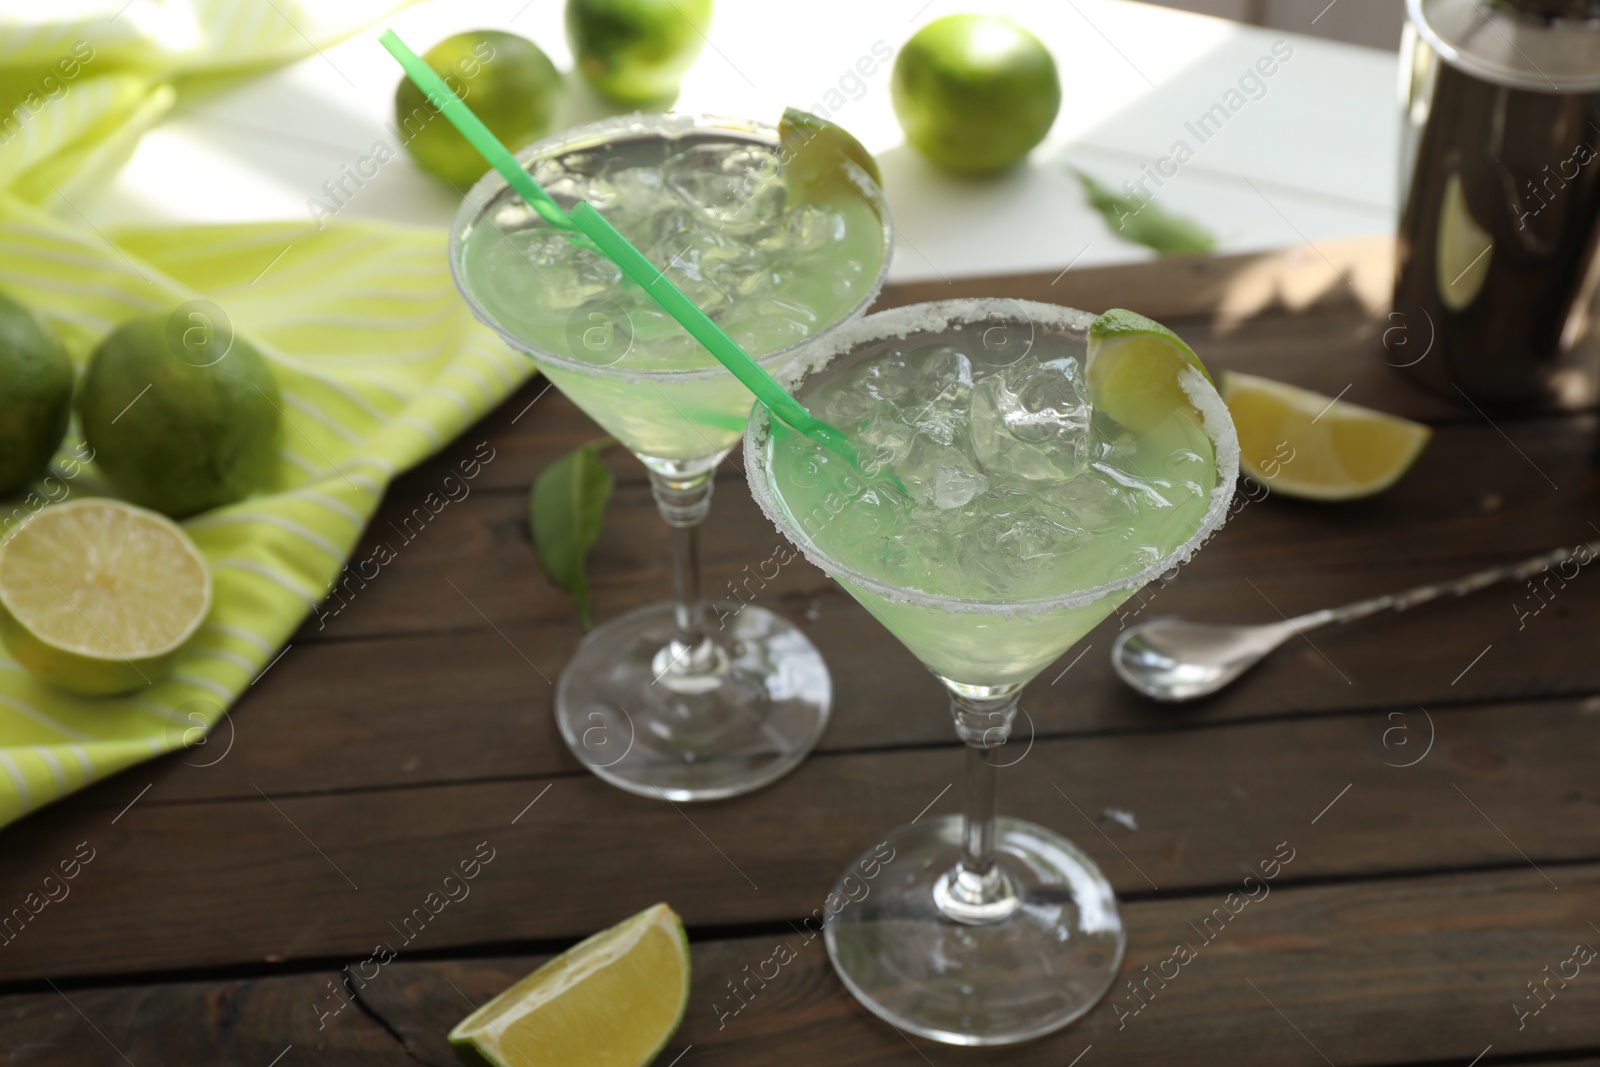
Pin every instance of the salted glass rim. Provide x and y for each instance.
(669, 125)
(941, 315)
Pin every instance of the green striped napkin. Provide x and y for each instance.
(380, 364)
(378, 358)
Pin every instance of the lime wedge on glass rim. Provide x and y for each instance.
(1313, 447)
(1133, 367)
(814, 152)
(98, 596)
(613, 1000)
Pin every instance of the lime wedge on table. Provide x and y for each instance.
(1133, 368)
(97, 596)
(1303, 444)
(814, 152)
(613, 1000)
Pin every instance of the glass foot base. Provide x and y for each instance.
(754, 712)
(1040, 967)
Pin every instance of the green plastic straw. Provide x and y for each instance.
(620, 251)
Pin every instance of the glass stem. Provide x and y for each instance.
(977, 891)
(684, 503)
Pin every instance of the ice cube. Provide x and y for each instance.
(1092, 503)
(694, 262)
(641, 190)
(920, 551)
(513, 215)
(702, 255)
(841, 405)
(954, 486)
(941, 388)
(889, 377)
(944, 375)
(552, 272)
(735, 186)
(865, 515)
(883, 438)
(589, 164)
(937, 474)
(806, 228)
(1009, 537)
(568, 189)
(1031, 421)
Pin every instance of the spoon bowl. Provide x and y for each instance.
(1174, 660)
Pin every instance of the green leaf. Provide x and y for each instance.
(565, 511)
(1143, 222)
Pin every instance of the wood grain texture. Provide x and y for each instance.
(275, 878)
(251, 1022)
(1422, 970)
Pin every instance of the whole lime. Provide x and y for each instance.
(635, 51)
(176, 427)
(974, 93)
(506, 80)
(35, 396)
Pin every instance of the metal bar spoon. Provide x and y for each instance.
(1173, 660)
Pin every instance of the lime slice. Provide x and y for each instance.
(1306, 445)
(97, 596)
(1133, 368)
(613, 1000)
(814, 153)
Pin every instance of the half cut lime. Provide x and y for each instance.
(98, 596)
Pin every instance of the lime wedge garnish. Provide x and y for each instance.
(1133, 368)
(1303, 444)
(814, 153)
(613, 1000)
(97, 596)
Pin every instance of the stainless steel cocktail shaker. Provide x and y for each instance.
(1499, 201)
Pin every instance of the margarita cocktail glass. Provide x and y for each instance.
(1027, 518)
(673, 700)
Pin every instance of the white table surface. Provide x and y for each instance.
(1312, 159)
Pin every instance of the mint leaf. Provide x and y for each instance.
(1144, 223)
(565, 511)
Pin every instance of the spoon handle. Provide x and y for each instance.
(1469, 583)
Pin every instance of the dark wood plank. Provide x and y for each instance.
(252, 1021)
(1423, 970)
(308, 877)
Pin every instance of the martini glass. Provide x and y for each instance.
(980, 930)
(687, 700)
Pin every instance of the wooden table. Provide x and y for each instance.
(1434, 774)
